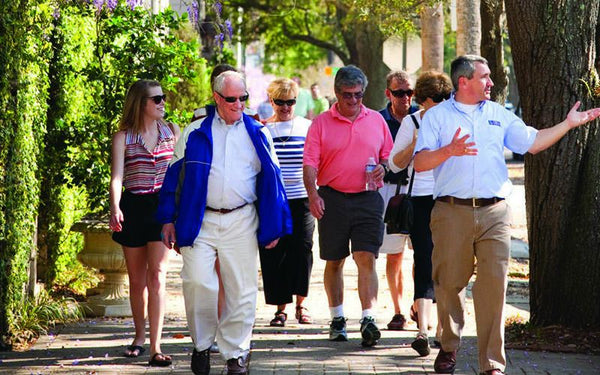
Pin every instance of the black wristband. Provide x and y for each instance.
(385, 168)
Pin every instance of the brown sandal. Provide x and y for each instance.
(279, 319)
(302, 317)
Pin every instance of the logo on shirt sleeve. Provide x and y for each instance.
(494, 122)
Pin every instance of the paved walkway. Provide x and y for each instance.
(95, 345)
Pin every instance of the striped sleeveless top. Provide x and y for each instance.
(288, 140)
(144, 170)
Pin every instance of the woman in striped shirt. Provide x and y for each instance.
(141, 151)
(286, 268)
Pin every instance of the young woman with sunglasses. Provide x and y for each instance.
(141, 151)
(431, 89)
(286, 268)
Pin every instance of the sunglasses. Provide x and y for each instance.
(401, 93)
(157, 98)
(440, 98)
(355, 95)
(281, 102)
(232, 99)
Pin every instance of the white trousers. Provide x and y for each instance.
(232, 239)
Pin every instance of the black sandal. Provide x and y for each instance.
(134, 351)
(279, 319)
(164, 362)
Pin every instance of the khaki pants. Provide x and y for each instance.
(460, 235)
(232, 238)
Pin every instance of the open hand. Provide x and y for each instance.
(575, 119)
(459, 145)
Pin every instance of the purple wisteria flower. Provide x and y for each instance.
(111, 4)
(56, 13)
(133, 3)
(229, 29)
(219, 39)
(218, 7)
(193, 12)
(98, 4)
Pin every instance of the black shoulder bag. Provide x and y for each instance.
(399, 214)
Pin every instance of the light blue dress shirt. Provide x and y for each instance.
(491, 127)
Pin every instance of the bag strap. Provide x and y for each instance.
(412, 175)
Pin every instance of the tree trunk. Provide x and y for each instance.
(368, 56)
(468, 33)
(492, 46)
(432, 38)
(553, 45)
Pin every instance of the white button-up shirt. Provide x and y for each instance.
(235, 165)
(491, 127)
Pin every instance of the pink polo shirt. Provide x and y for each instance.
(340, 149)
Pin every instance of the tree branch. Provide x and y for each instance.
(317, 42)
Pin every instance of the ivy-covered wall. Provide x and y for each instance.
(23, 91)
(64, 71)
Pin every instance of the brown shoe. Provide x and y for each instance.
(237, 366)
(445, 362)
(397, 323)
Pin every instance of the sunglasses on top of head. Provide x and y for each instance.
(157, 98)
(355, 95)
(232, 99)
(281, 102)
(401, 93)
(440, 98)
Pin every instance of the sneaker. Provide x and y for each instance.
(421, 345)
(369, 331)
(201, 362)
(337, 329)
(397, 323)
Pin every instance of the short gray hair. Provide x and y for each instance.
(219, 83)
(464, 66)
(399, 75)
(349, 76)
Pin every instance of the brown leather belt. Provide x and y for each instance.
(225, 210)
(472, 202)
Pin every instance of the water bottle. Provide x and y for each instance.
(371, 185)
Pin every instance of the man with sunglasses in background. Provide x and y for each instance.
(338, 147)
(463, 140)
(399, 92)
(223, 196)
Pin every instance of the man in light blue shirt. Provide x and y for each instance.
(462, 140)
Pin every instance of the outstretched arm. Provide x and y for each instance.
(426, 160)
(549, 136)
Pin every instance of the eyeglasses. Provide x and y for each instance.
(401, 93)
(232, 99)
(281, 102)
(355, 95)
(157, 98)
(440, 98)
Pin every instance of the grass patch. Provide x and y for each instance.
(33, 317)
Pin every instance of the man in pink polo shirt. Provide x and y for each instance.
(338, 146)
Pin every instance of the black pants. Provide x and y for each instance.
(420, 237)
(286, 268)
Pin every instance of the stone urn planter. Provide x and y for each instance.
(110, 298)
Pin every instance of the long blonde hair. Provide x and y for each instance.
(135, 103)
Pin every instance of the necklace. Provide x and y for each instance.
(277, 127)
